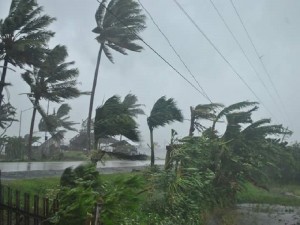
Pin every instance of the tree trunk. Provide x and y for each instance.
(92, 99)
(152, 147)
(2, 82)
(31, 131)
(192, 126)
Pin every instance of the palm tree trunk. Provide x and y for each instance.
(192, 125)
(3, 75)
(29, 152)
(152, 147)
(92, 99)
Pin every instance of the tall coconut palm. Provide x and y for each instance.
(118, 24)
(115, 118)
(23, 36)
(164, 111)
(53, 81)
(206, 111)
(59, 120)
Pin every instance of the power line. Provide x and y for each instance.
(219, 52)
(152, 49)
(243, 51)
(259, 57)
(175, 51)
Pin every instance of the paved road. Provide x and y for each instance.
(57, 173)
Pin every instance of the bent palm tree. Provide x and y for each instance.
(52, 81)
(206, 112)
(115, 118)
(118, 24)
(59, 122)
(23, 36)
(164, 111)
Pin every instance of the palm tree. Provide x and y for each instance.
(230, 109)
(206, 112)
(52, 81)
(59, 122)
(23, 36)
(118, 24)
(130, 102)
(7, 115)
(164, 111)
(115, 118)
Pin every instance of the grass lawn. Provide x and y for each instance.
(278, 194)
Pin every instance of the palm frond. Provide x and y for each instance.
(164, 112)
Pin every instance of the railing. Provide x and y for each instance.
(23, 208)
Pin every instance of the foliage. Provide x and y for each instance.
(118, 25)
(59, 121)
(164, 111)
(117, 118)
(81, 184)
(23, 36)
(54, 81)
(118, 22)
(7, 115)
(202, 111)
(14, 148)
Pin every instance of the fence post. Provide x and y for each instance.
(27, 208)
(36, 209)
(18, 207)
(9, 203)
(1, 199)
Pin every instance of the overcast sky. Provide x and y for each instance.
(274, 26)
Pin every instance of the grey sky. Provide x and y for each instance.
(273, 24)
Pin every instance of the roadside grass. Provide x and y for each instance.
(286, 195)
(48, 187)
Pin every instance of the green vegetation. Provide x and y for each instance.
(118, 23)
(288, 195)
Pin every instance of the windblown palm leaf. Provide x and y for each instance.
(234, 120)
(7, 115)
(164, 112)
(58, 120)
(130, 102)
(23, 36)
(114, 118)
(232, 108)
(206, 111)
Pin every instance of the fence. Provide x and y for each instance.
(22, 208)
(18, 208)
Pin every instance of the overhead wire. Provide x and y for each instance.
(259, 57)
(243, 51)
(175, 51)
(223, 57)
(153, 50)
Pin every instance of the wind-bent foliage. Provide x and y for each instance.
(207, 112)
(59, 122)
(23, 37)
(230, 109)
(118, 24)
(7, 115)
(53, 81)
(164, 111)
(117, 118)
